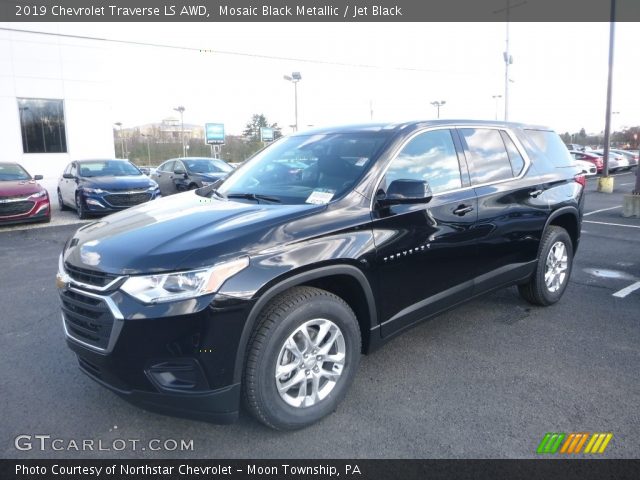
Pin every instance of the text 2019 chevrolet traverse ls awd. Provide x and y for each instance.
(270, 286)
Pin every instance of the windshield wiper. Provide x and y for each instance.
(254, 196)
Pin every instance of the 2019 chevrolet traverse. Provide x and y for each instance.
(269, 286)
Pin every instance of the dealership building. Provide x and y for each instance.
(54, 100)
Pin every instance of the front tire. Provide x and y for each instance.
(61, 203)
(81, 208)
(301, 358)
(551, 277)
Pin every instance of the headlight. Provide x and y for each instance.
(183, 285)
(92, 190)
(40, 194)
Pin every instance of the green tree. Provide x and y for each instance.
(258, 120)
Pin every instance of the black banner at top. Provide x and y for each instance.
(317, 10)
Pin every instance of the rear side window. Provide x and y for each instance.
(552, 146)
(487, 156)
(517, 162)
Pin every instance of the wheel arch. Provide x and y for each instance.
(346, 281)
(567, 218)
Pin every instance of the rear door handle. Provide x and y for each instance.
(463, 210)
(535, 193)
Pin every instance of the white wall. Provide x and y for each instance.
(39, 66)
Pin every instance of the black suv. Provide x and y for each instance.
(269, 286)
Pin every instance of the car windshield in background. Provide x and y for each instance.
(312, 169)
(11, 173)
(208, 166)
(108, 168)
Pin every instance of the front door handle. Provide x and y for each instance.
(463, 210)
(535, 193)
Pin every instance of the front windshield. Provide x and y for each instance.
(312, 169)
(207, 165)
(12, 173)
(108, 168)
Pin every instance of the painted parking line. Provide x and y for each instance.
(612, 224)
(601, 210)
(627, 290)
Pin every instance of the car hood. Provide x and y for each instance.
(182, 231)
(19, 188)
(107, 183)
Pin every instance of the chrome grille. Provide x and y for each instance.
(15, 208)
(89, 277)
(87, 318)
(127, 199)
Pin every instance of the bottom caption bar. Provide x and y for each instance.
(316, 469)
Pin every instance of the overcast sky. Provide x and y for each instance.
(559, 72)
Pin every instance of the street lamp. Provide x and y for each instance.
(294, 78)
(181, 109)
(119, 125)
(438, 105)
(508, 59)
(497, 99)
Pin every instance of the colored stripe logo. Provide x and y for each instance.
(573, 443)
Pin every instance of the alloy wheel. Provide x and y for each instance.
(310, 363)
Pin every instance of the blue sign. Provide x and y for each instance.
(266, 134)
(214, 133)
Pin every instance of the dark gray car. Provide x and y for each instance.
(182, 174)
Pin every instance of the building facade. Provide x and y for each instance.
(54, 101)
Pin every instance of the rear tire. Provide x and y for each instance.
(301, 358)
(551, 276)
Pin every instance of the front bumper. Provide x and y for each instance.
(40, 210)
(217, 406)
(176, 358)
(109, 202)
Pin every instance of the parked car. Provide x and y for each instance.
(617, 162)
(576, 147)
(589, 157)
(587, 168)
(182, 174)
(270, 289)
(103, 186)
(631, 156)
(22, 198)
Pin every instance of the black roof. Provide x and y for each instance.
(396, 127)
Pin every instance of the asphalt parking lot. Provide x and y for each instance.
(487, 380)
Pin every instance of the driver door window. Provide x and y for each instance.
(429, 156)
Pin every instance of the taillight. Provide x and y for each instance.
(581, 179)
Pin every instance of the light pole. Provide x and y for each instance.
(605, 183)
(438, 105)
(181, 109)
(508, 59)
(294, 78)
(148, 149)
(497, 99)
(119, 125)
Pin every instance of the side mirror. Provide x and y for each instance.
(68, 176)
(406, 192)
(179, 171)
(38, 177)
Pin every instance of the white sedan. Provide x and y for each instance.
(587, 168)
